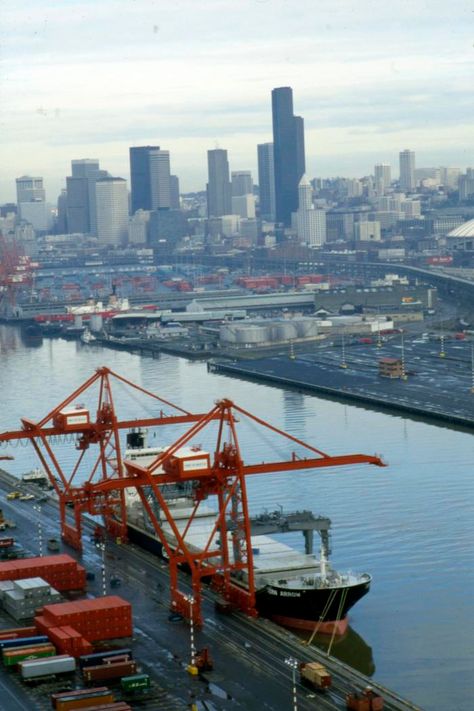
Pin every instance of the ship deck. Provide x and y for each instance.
(274, 561)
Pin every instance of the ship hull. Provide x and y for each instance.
(303, 608)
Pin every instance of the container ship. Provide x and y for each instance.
(293, 588)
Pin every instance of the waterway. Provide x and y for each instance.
(410, 524)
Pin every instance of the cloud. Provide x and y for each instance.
(85, 78)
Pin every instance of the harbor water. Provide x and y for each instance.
(410, 525)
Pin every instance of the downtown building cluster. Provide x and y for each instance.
(107, 212)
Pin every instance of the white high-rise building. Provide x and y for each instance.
(310, 223)
(411, 209)
(367, 231)
(138, 227)
(354, 188)
(29, 189)
(407, 170)
(38, 213)
(160, 179)
(112, 211)
(383, 177)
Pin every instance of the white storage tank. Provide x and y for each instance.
(286, 331)
(228, 333)
(252, 334)
(306, 327)
(78, 321)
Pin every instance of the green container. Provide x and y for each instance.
(22, 657)
(135, 682)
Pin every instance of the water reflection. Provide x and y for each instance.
(349, 648)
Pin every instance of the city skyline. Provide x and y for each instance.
(368, 84)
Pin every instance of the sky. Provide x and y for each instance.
(88, 79)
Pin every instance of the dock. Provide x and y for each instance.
(438, 384)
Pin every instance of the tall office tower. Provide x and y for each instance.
(175, 203)
(218, 187)
(310, 223)
(29, 189)
(289, 155)
(150, 178)
(383, 177)
(80, 188)
(266, 181)
(242, 183)
(61, 219)
(112, 211)
(407, 170)
(160, 180)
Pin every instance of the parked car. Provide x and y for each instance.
(52, 544)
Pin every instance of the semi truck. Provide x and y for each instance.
(316, 675)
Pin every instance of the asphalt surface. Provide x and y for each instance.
(439, 376)
(249, 655)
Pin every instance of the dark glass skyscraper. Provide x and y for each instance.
(149, 178)
(266, 181)
(219, 196)
(288, 151)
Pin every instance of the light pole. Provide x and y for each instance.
(343, 364)
(293, 664)
(472, 368)
(40, 530)
(101, 547)
(192, 668)
(442, 352)
(404, 375)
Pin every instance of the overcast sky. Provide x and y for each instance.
(89, 78)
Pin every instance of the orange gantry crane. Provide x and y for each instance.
(225, 558)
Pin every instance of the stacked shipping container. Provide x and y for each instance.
(26, 595)
(61, 571)
(74, 625)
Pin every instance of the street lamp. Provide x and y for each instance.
(101, 547)
(192, 668)
(293, 664)
(343, 364)
(40, 529)
(404, 375)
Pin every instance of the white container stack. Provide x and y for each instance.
(21, 598)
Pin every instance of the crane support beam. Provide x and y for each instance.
(33, 429)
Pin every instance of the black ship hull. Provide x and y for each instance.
(303, 608)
